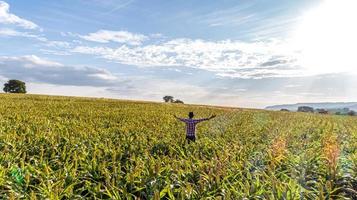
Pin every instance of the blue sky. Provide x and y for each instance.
(247, 53)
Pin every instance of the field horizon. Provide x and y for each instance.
(132, 100)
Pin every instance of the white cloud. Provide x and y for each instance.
(59, 48)
(58, 44)
(68, 34)
(105, 36)
(292, 86)
(35, 69)
(47, 77)
(32, 61)
(225, 58)
(55, 52)
(8, 18)
(7, 32)
(10, 32)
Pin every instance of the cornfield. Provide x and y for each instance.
(83, 148)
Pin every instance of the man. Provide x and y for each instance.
(191, 125)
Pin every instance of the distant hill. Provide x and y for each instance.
(326, 105)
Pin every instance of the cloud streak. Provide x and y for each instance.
(8, 18)
(35, 69)
(106, 36)
(7, 32)
(225, 58)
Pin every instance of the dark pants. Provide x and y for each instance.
(190, 139)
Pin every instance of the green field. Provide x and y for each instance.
(73, 148)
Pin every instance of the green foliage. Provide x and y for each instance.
(15, 86)
(168, 99)
(178, 101)
(160, 149)
(17, 175)
(82, 148)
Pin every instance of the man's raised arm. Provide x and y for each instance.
(212, 116)
(183, 120)
(206, 119)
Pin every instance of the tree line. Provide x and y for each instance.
(170, 99)
(344, 111)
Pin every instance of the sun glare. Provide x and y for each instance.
(327, 37)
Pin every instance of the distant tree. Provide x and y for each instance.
(305, 109)
(178, 101)
(351, 113)
(168, 99)
(321, 111)
(15, 86)
(284, 110)
(338, 113)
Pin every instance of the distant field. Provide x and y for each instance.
(72, 148)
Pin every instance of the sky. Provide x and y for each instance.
(243, 53)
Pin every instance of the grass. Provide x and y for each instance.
(83, 148)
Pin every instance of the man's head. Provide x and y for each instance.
(190, 115)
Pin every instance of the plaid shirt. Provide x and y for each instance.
(191, 125)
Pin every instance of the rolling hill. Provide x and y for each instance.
(327, 105)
